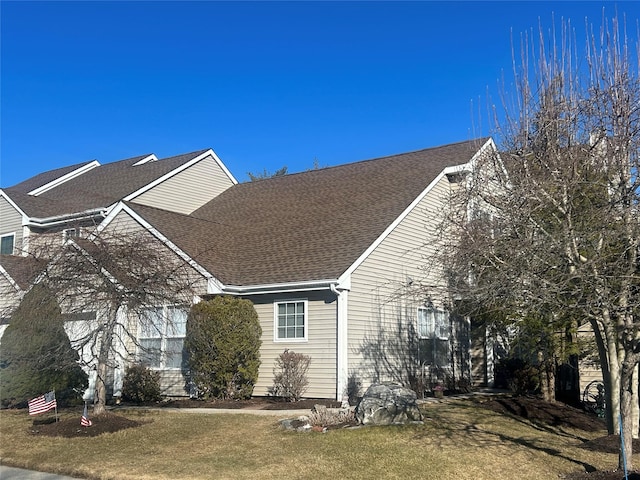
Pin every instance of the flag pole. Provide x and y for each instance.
(56, 404)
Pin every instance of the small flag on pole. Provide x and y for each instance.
(43, 403)
(84, 421)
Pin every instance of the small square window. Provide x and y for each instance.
(70, 233)
(291, 321)
(7, 244)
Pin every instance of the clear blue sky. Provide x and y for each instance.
(263, 84)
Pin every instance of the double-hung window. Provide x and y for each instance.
(291, 320)
(7, 243)
(433, 323)
(433, 331)
(161, 337)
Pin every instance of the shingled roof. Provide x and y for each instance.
(99, 187)
(306, 226)
(43, 178)
(23, 270)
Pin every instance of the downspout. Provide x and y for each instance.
(342, 348)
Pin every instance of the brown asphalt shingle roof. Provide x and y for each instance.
(46, 177)
(98, 188)
(23, 270)
(305, 226)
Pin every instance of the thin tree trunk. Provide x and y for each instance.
(548, 380)
(611, 413)
(634, 403)
(626, 409)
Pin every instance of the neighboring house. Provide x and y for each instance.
(64, 201)
(330, 258)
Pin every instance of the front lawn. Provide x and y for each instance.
(458, 440)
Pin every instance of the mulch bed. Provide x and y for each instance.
(69, 428)
(256, 403)
(561, 415)
(538, 411)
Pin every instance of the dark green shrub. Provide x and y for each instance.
(36, 355)
(290, 375)
(517, 375)
(223, 343)
(141, 385)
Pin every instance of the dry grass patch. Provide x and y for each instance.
(458, 440)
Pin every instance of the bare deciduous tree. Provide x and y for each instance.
(551, 226)
(119, 277)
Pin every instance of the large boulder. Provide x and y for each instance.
(388, 404)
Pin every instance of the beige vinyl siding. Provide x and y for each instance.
(189, 189)
(320, 345)
(11, 222)
(384, 298)
(588, 368)
(123, 223)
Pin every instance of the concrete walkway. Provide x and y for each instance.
(232, 411)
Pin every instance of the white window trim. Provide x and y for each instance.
(164, 336)
(13, 248)
(72, 232)
(304, 339)
(436, 330)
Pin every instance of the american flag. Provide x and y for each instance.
(84, 421)
(43, 403)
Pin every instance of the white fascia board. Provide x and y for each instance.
(65, 178)
(10, 279)
(469, 166)
(279, 287)
(182, 167)
(25, 217)
(345, 277)
(147, 159)
(222, 166)
(120, 207)
(61, 219)
(54, 220)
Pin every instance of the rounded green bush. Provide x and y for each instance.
(223, 342)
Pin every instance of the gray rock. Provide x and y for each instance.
(388, 404)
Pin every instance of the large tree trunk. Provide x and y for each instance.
(106, 341)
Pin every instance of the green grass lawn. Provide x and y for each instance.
(458, 440)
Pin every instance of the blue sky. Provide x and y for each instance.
(264, 84)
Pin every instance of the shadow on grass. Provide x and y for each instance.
(473, 431)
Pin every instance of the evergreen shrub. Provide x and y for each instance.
(223, 343)
(36, 355)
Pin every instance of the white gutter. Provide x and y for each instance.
(62, 219)
(279, 287)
